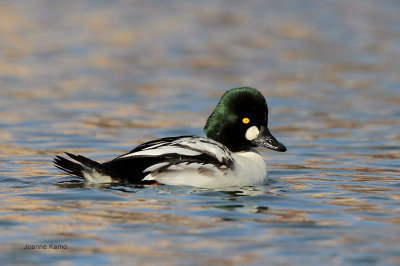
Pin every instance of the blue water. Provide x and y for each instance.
(98, 78)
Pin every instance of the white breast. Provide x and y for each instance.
(250, 168)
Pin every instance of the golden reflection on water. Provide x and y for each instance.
(99, 79)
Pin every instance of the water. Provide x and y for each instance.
(99, 77)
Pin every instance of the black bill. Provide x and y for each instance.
(266, 140)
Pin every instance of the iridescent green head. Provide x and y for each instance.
(240, 121)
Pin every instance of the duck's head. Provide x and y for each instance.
(240, 121)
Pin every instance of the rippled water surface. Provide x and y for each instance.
(99, 77)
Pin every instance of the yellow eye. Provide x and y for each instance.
(246, 120)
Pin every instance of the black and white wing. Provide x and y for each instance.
(170, 154)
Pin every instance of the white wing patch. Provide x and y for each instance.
(161, 151)
(218, 150)
(185, 146)
(155, 167)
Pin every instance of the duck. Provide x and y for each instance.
(225, 157)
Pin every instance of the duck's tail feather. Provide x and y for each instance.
(86, 168)
(68, 166)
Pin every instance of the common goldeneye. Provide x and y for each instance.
(225, 158)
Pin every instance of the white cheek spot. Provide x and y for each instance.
(252, 133)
